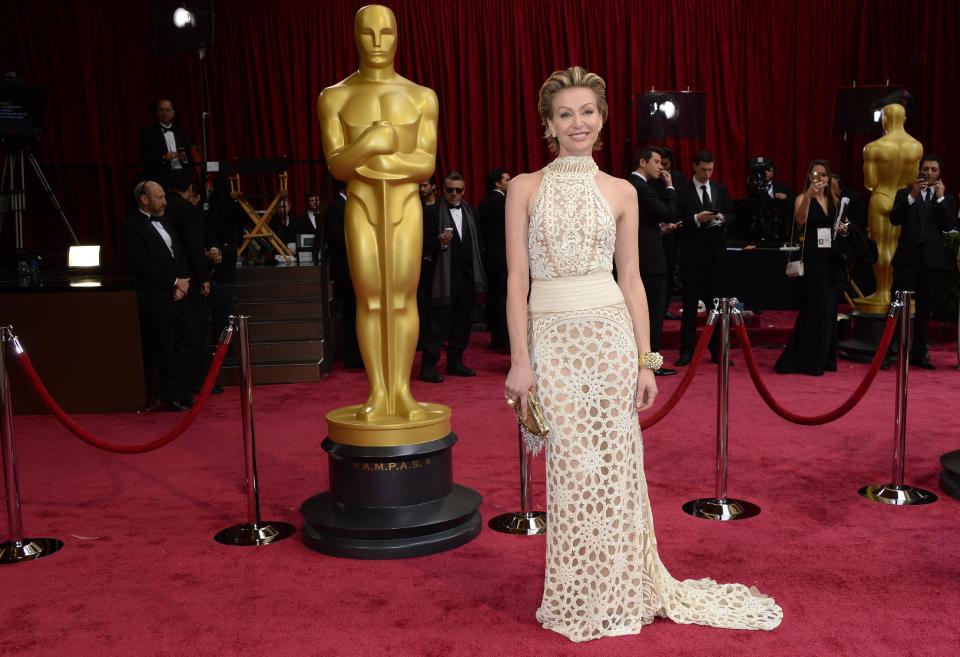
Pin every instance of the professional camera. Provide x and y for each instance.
(765, 219)
(757, 168)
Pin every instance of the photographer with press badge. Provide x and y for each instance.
(812, 348)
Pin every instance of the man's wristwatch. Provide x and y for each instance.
(651, 360)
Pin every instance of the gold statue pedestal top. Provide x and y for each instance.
(344, 427)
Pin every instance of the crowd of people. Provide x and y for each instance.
(173, 258)
(684, 222)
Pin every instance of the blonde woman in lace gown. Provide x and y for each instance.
(577, 343)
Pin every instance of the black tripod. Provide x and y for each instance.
(13, 190)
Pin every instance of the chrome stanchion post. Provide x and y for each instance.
(897, 493)
(525, 522)
(18, 548)
(721, 507)
(254, 531)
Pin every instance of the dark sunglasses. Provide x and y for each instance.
(455, 190)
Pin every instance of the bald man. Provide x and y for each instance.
(167, 325)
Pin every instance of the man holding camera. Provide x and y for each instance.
(705, 211)
(923, 211)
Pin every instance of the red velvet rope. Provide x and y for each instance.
(86, 436)
(836, 413)
(687, 379)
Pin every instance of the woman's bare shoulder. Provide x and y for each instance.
(526, 181)
(619, 192)
(620, 185)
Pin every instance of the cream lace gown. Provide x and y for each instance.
(603, 574)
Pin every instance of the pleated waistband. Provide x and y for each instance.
(554, 295)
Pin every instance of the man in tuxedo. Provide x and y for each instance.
(343, 293)
(923, 211)
(160, 272)
(705, 212)
(670, 240)
(657, 218)
(428, 203)
(307, 223)
(188, 221)
(492, 223)
(768, 209)
(164, 149)
(453, 242)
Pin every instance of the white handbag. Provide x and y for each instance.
(795, 267)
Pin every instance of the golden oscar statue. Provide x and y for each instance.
(390, 458)
(889, 163)
(380, 136)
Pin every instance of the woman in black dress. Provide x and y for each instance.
(813, 344)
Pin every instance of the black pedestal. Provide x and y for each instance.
(391, 502)
(865, 338)
(950, 477)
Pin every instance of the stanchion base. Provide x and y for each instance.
(862, 344)
(28, 549)
(713, 508)
(523, 523)
(255, 533)
(897, 495)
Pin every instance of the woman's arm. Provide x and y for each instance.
(801, 207)
(627, 256)
(520, 378)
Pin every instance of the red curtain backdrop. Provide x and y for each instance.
(770, 69)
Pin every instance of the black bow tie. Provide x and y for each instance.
(454, 207)
(166, 130)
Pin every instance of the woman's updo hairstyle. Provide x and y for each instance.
(575, 76)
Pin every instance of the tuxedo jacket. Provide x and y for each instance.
(304, 227)
(677, 177)
(785, 204)
(703, 245)
(153, 147)
(492, 228)
(921, 230)
(461, 259)
(334, 234)
(188, 221)
(154, 270)
(653, 212)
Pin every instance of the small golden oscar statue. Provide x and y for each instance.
(391, 485)
(889, 163)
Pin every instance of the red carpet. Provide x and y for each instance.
(140, 573)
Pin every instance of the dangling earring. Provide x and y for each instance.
(554, 133)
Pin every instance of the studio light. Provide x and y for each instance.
(183, 17)
(84, 256)
(667, 108)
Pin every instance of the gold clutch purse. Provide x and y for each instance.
(534, 426)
